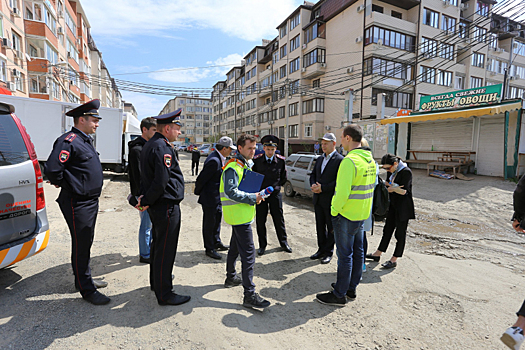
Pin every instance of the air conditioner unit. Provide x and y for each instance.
(323, 65)
(7, 43)
(463, 6)
(379, 42)
(358, 39)
(60, 14)
(514, 77)
(328, 127)
(16, 12)
(446, 3)
(349, 70)
(303, 93)
(16, 72)
(360, 8)
(60, 30)
(303, 70)
(10, 86)
(69, 55)
(304, 46)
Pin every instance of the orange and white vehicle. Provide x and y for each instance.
(24, 229)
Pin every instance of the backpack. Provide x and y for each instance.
(381, 201)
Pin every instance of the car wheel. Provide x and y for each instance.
(288, 189)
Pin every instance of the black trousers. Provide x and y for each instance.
(241, 244)
(522, 310)
(211, 226)
(400, 227)
(325, 229)
(275, 203)
(195, 164)
(165, 217)
(81, 216)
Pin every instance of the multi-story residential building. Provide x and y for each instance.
(45, 52)
(295, 84)
(196, 117)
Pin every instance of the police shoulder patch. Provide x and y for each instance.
(280, 157)
(69, 138)
(258, 156)
(167, 160)
(63, 156)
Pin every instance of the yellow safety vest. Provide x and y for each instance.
(359, 202)
(235, 213)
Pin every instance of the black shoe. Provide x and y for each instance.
(351, 294)
(221, 247)
(389, 265)
(175, 299)
(233, 282)
(330, 299)
(326, 259)
(255, 301)
(372, 257)
(97, 283)
(97, 298)
(213, 254)
(286, 247)
(317, 255)
(145, 260)
(261, 251)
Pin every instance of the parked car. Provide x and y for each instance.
(206, 149)
(24, 229)
(182, 148)
(191, 147)
(299, 166)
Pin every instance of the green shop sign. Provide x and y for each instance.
(462, 98)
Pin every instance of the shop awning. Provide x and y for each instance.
(4, 91)
(465, 113)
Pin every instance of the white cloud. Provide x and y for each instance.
(184, 75)
(146, 105)
(250, 20)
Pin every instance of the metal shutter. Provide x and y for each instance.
(491, 146)
(446, 135)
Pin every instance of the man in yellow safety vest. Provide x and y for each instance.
(238, 209)
(351, 205)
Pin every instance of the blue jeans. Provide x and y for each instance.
(144, 234)
(349, 243)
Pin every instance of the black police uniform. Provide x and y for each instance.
(274, 172)
(75, 167)
(162, 187)
(195, 158)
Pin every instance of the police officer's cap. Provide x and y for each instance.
(88, 108)
(170, 118)
(270, 140)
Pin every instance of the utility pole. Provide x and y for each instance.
(287, 113)
(349, 105)
(235, 105)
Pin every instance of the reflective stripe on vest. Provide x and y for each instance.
(235, 213)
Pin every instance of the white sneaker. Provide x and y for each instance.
(513, 337)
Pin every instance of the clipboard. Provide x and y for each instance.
(251, 182)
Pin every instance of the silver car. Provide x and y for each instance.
(24, 229)
(299, 166)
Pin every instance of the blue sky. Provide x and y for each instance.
(137, 36)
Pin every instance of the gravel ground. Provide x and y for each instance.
(457, 287)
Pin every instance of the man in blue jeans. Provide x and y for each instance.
(148, 127)
(351, 206)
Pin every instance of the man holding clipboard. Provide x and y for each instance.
(239, 192)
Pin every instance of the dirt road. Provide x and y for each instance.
(457, 287)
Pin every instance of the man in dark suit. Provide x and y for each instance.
(322, 182)
(195, 158)
(207, 188)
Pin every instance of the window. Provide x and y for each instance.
(393, 98)
(293, 133)
(295, 42)
(459, 83)
(431, 18)
(281, 112)
(282, 72)
(33, 52)
(293, 109)
(493, 41)
(310, 33)
(446, 51)
(294, 22)
(444, 78)
(482, 9)
(480, 34)
(281, 135)
(389, 38)
(397, 14)
(429, 47)
(515, 92)
(283, 31)
(3, 70)
(294, 65)
(463, 30)
(427, 75)
(294, 87)
(313, 106)
(275, 57)
(476, 82)
(387, 68)
(72, 51)
(316, 83)
(16, 41)
(377, 8)
(478, 59)
(519, 48)
(71, 23)
(308, 128)
(283, 51)
(448, 24)
(19, 82)
(315, 56)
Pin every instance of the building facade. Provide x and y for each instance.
(196, 117)
(297, 85)
(47, 52)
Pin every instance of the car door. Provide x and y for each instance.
(300, 171)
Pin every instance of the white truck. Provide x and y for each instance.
(46, 120)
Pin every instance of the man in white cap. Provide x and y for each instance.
(322, 182)
(207, 188)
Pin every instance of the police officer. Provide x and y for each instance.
(74, 166)
(272, 166)
(162, 189)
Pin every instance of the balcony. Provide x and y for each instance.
(316, 117)
(316, 43)
(389, 22)
(40, 29)
(313, 71)
(38, 65)
(265, 91)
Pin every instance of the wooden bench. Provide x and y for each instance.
(420, 161)
(456, 166)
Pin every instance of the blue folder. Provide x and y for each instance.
(251, 182)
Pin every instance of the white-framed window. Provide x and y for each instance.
(3, 70)
(315, 105)
(283, 31)
(446, 51)
(19, 82)
(482, 9)
(295, 42)
(476, 82)
(479, 34)
(459, 82)
(478, 59)
(293, 109)
(72, 51)
(444, 78)
(292, 130)
(275, 57)
(431, 18)
(282, 72)
(448, 24)
(71, 23)
(294, 65)
(282, 51)
(17, 41)
(428, 74)
(308, 130)
(429, 47)
(294, 22)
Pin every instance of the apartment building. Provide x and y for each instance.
(295, 84)
(196, 117)
(46, 53)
